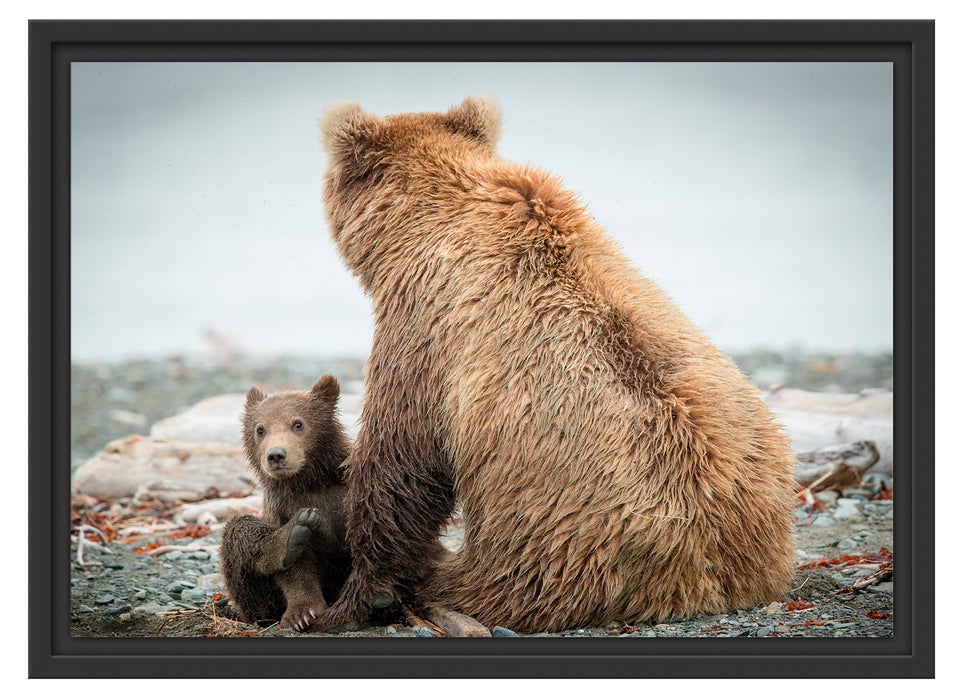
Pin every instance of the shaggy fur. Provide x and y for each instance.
(611, 463)
(294, 559)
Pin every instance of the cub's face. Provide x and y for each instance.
(281, 432)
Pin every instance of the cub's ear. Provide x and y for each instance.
(344, 124)
(253, 397)
(327, 388)
(478, 117)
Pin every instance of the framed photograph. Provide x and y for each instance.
(193, 249)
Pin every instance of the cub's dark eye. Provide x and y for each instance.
(297, 425)
(260, 432)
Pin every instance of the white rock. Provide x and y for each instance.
(160, 469)
(217, 419)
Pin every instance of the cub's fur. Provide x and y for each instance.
(612, 464)
(288, 563)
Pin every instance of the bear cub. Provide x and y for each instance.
(291, 561)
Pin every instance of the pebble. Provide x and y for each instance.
(210, 582)
(173, 556)
(825, 520)
(847, 545)
(421, 631)
(104, 599)
(880, 510)
(152, 609)
(846, 509)
(194, 595)
(201, 554)
(763, 631)
(178, 586)
(498, 631)
(391, 630)
(829, 497)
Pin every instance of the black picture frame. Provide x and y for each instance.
(53, 45)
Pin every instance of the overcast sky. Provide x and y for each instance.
(759, 196)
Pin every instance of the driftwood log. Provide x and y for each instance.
(836, 467)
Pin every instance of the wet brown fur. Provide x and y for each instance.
(263, 584)
(612, 464)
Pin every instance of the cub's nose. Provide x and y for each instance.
(276, 456)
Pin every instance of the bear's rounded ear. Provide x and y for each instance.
(478, 117)
(327, 388)
(253, 397)
(343, 124)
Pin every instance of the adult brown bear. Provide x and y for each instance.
(611, 463)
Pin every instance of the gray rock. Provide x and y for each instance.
(884, 587)
(210, 582)
(763, 631)
(104, 599)
(498, 631)
(195, 595)
(847, 545)
(828, 497)
(423, 631)
(152, 609)
(177, 587)
(173, 556)
(201, 554)
(846, 509)
(824, 520)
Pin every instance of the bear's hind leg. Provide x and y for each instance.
(394, 519)
(256, 597)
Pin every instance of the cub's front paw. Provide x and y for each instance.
(305, 523)
(299, 616)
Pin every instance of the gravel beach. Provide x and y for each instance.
(120, 586)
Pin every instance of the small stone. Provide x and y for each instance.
(194, 595)
(824, 520)
(498, 631)
(201, 554)
(391, 630)
(781, 628)
(846, 545)
(828, 497)
(773, 607)
(421, 631)
(846, 509)
(763, 631)
(178, 586)
(125, 617)
(884, 587)
(152, 609)
(104, 599)
(140, 594)
(173, 556)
